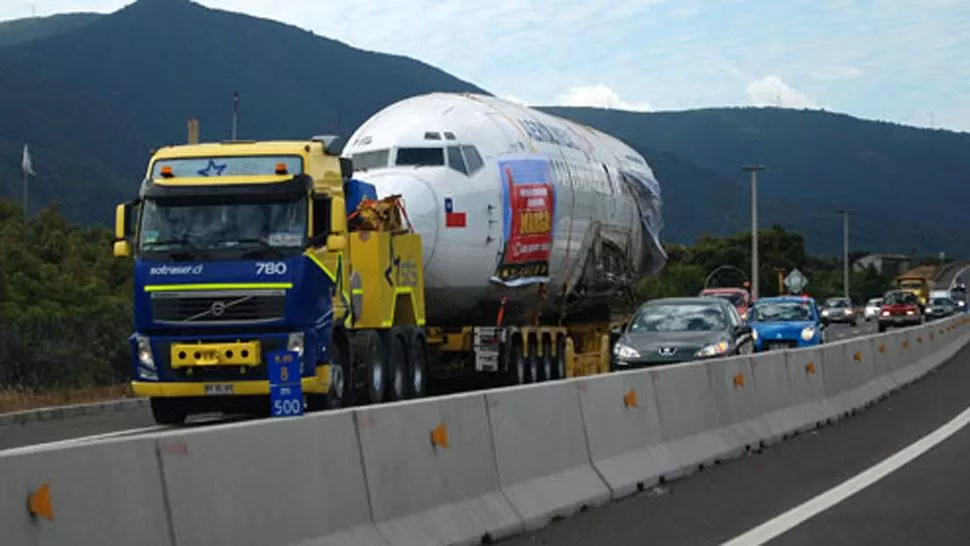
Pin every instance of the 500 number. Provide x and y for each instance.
(271, 268)
(292, 406)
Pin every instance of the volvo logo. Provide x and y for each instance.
(218, 308)
(667, 351)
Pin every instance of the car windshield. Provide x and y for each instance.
(191, 227)
(772, 311)
(875, 302)
(939, 302)
(683, 317)
(899, 298)
(736, 298)
(836, 302)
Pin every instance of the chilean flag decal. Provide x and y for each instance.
(453, 219)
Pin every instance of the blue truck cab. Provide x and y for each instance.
(240, 251)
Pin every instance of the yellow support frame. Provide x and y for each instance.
(391, 275)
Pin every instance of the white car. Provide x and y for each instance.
(872, 308)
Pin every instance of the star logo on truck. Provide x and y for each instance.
(212, 169)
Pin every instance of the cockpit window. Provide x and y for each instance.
(455, 160)
(472, 159)
(374, 159)
(422, 157)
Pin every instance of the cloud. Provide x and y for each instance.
(772, 91)
(599, 96)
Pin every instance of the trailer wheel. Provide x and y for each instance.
(560, 368)
(532, 372)
(516, 362)
(417, 368)
(396, 364)
(168, 411)
(547, 371)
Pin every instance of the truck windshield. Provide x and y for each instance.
(194, 228)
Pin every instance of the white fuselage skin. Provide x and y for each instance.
(459, 261)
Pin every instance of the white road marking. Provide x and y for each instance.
(80, 439)
(792, 518)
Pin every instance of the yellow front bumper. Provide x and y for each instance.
(319, 384)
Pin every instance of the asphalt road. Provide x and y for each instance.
(923, 502)
(140, 420)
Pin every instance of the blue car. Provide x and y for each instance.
(785, 322)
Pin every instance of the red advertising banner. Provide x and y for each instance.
(529, 210)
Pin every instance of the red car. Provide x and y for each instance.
(739, 297)
(899, 308)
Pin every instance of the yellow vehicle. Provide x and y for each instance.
(244, 248)
(919, 281)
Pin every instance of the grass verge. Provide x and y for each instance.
(13, 399)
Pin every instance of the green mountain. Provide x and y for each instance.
(21, 31)
(92, 110)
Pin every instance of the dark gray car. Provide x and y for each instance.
(672, 330)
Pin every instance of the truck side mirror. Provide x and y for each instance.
(124, 228)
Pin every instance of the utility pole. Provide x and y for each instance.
(235, 113)
(193, 126)
(754, 169)
(845, 250)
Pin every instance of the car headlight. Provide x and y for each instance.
(885, 313)
(146, 360)
(808, 333)
(295, 343)
(849, 311)
(625, 352)
(960, 304)
(713, 349)
(910, 312)
(754, 334)
(825, 313)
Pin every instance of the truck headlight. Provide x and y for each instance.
(808, 333)
(713, 349)
(625, 352)
(295, 343)
(146, 360)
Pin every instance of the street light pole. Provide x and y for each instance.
(754, 169)
(845, 250)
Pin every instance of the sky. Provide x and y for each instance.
(906, 61)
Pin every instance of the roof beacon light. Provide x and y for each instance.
(281, 168)
(166, 171)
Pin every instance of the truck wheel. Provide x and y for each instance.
(372, 360)
(168, 411)
(396, 364)
(341, 381)
(417, 368)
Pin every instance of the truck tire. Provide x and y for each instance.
(560, 367)
(547, 371)
(373, 362)
(396, 364)
(168, 411)
(341, 390)
(516, 362)
(417, 370)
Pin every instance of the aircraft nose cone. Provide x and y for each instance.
(420, 205)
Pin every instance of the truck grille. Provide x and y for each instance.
(218, 307)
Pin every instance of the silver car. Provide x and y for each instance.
(672, 330)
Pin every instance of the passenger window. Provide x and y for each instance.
(421, 157)
(455, 160)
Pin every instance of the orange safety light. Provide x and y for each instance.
(281, 168)
(167, 171)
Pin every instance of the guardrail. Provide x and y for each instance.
(454, 469)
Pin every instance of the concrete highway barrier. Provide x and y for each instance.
(449, 470)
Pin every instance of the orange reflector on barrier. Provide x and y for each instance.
(630, 398)
(906, 344)
(439, 436)
(882, 347)
(739, 380)
(857, 356)
(39, 503)
(810, 368)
